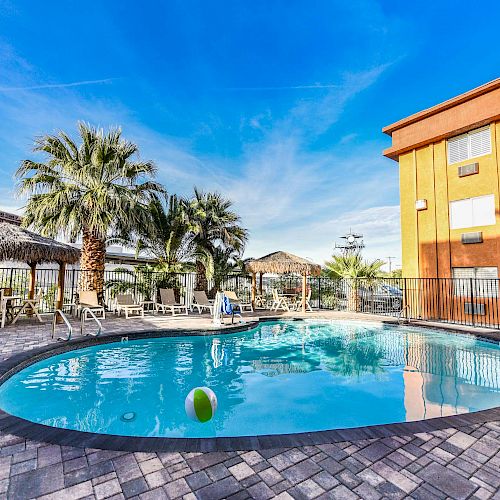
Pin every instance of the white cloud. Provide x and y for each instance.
(56, 85)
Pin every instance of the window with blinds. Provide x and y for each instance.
(484, 281)
(471, 145)
(473, 212)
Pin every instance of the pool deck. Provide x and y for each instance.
(456, 462)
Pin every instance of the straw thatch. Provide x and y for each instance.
(283, 263)
(17, 243)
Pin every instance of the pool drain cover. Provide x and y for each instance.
(129, 416)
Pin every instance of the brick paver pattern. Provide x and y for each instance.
(455, 463)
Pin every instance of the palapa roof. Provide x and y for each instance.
(283, 263)
(17, 243)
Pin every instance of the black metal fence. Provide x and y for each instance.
(143, 285)
(472, 302)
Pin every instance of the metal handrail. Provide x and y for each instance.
(68, 324)
(400, 313)
(84, 313)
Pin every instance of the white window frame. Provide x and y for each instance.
(481, 287)
(475, 214)
(468, 137)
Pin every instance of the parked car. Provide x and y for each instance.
(381, 298)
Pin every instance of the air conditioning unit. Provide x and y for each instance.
(468, 238)
(471, 169)
(479, 309)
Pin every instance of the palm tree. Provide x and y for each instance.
(168, 238)
(213, 225)
(352, 267)
(90, 190)
(221, 264)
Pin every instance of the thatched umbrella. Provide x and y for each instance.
(17, 243)
(283, 263)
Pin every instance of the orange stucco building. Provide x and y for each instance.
(449, 161)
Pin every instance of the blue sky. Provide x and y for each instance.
(279, 105)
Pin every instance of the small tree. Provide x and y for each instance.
(352, 267)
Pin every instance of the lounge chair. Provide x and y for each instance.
(298, 304)
(202, 301)
(236, 301)
(88, 300)
(279, 302)
(168, 302)
(219, 310)
(125, 302)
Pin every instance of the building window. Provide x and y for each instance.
(470, 145)
(484, 281)
(472, 212)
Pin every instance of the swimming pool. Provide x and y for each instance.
(277, 378)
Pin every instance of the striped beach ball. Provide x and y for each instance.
(201, 404)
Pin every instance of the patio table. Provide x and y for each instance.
(34, 304)
(149, 306)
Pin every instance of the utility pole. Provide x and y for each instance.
(389, 258)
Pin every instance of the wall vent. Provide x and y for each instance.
(471, 169)
(479, 309)
(421, 204)
(468, 238)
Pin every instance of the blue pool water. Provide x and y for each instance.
(280, 377)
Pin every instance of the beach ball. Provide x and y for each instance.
(201, 404)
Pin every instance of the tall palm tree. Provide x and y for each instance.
(92, 190)
(352, 267)
(213, 224)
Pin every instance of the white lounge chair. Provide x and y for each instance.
(125, 302)
(218, 313)
(279, 302)
(298, 304)
(168, 302)
(88, 300)
(202, 301)
(231, 295)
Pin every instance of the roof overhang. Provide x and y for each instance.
(470, 110)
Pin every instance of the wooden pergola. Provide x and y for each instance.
(282, 263)
(19, 244)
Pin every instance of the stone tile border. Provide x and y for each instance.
(13, 425)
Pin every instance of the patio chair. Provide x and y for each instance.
(125, 302)
(298, 304)
(202, 301)
(279, 302)
(231, 295)
(168, 302)
(6, 306)
(88, 300)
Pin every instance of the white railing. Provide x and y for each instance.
(66, 321)
(84, 318)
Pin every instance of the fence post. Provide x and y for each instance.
(472, 301)
(10, 280)
(319, 292)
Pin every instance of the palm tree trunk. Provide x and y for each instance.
(201, 277)
(92, 261)
(353, 304)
